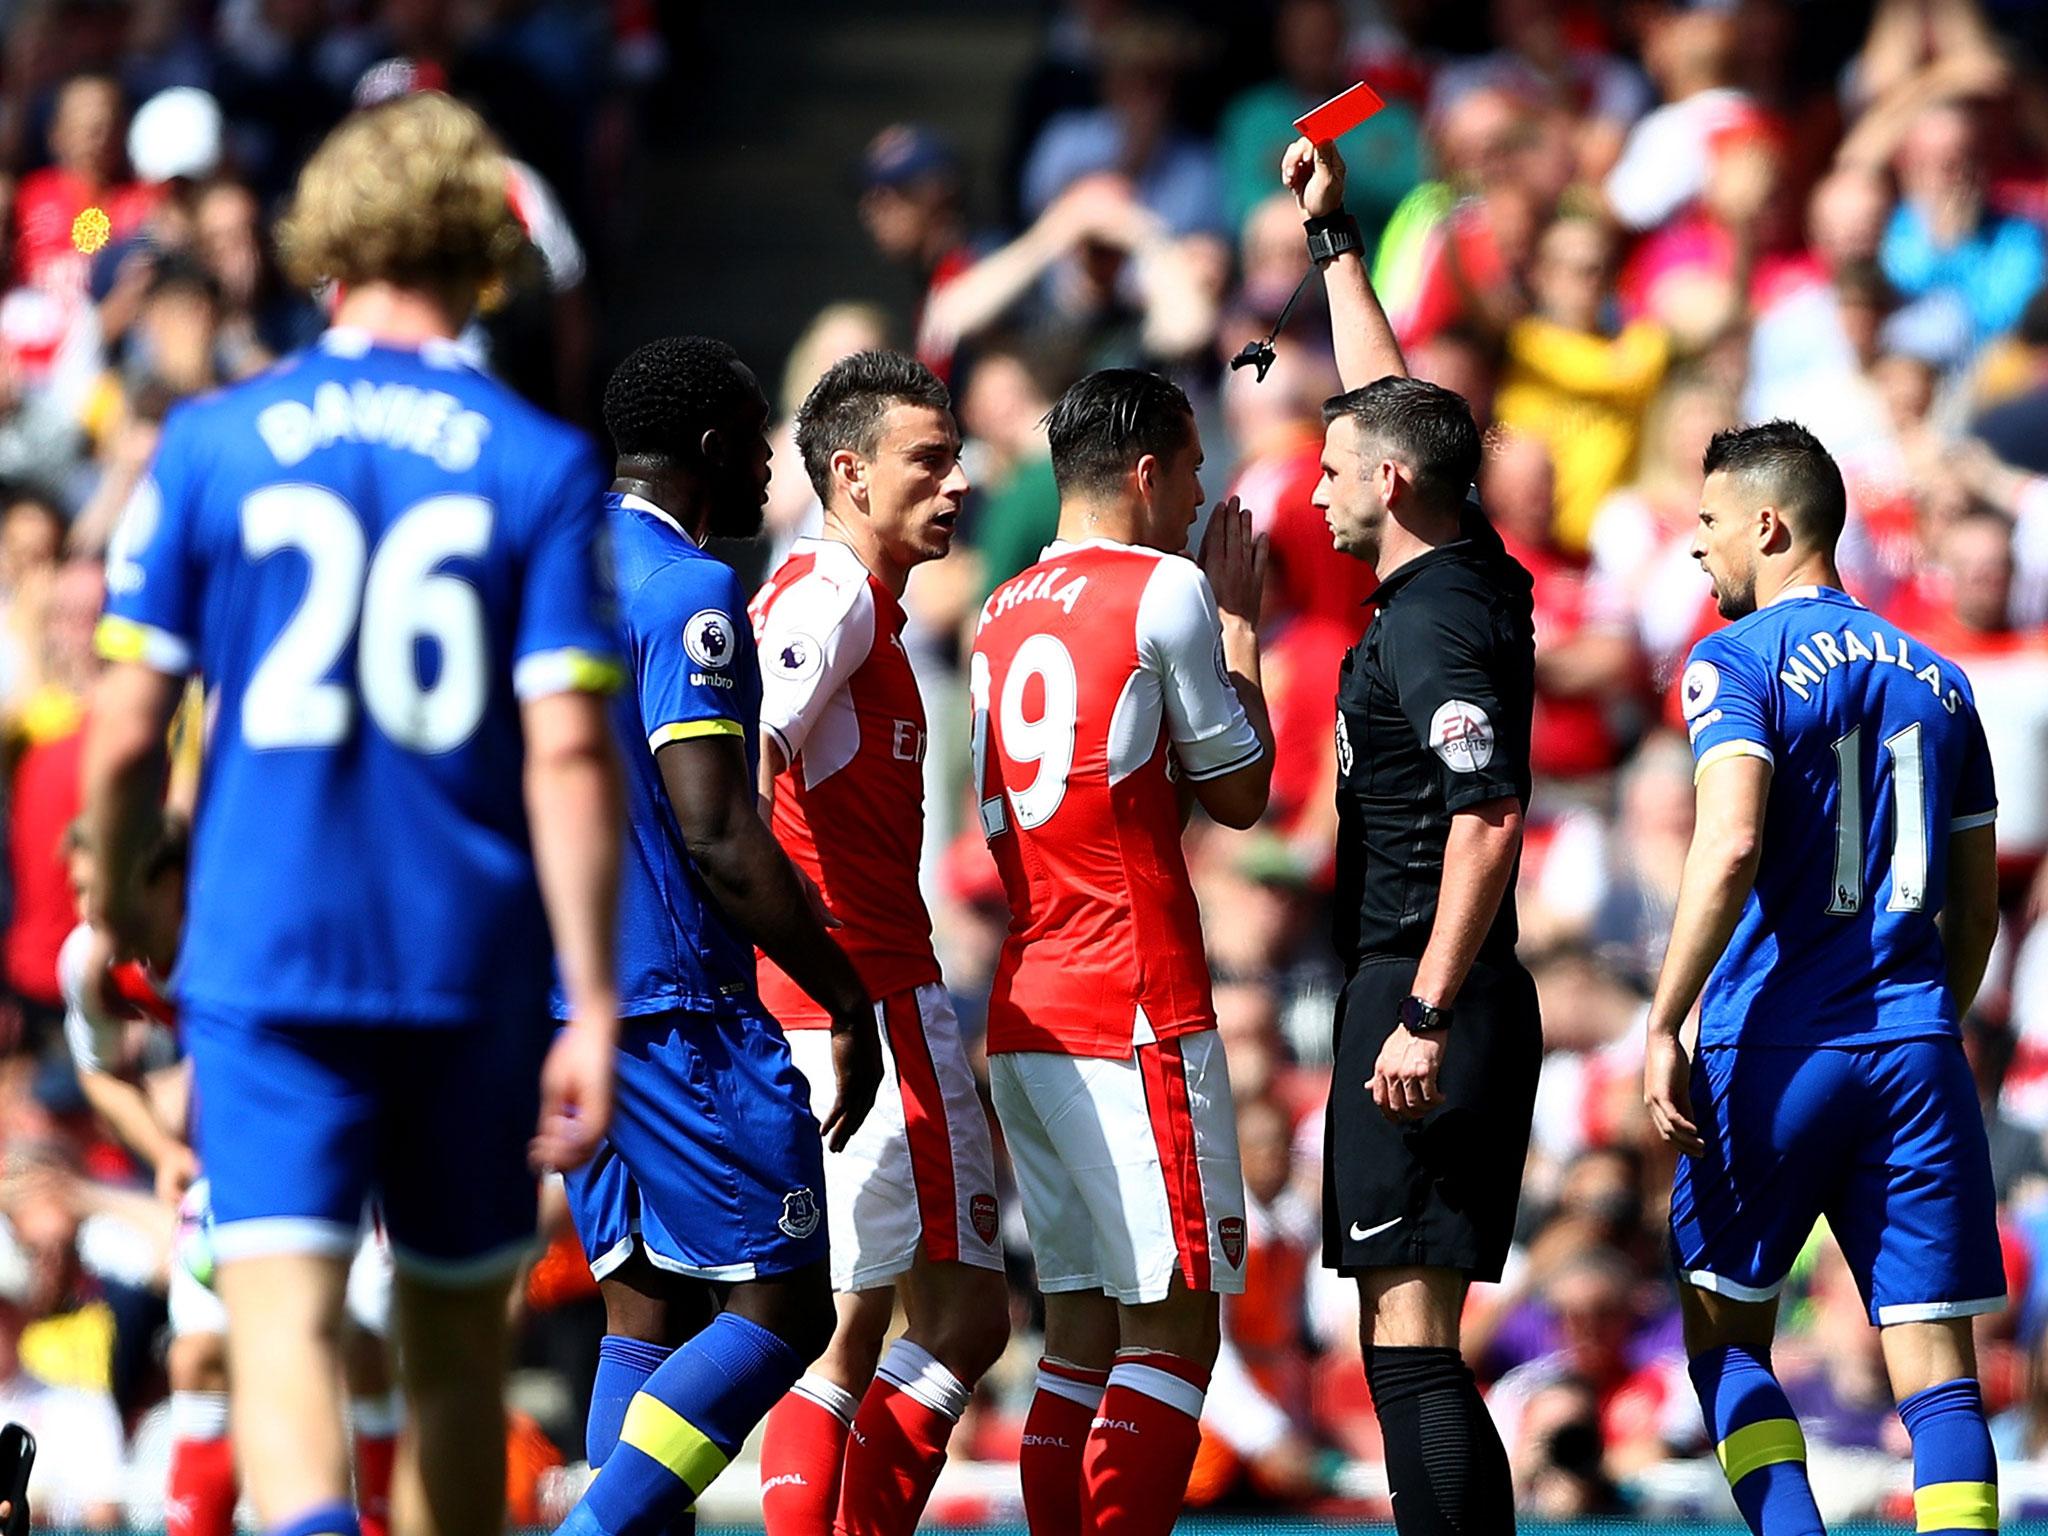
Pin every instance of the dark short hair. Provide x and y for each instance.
(1109, 420)
(1429, 428)
(668, 393)
(846, 407)
(1786, 464)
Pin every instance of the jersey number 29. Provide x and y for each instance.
(399, 598)
(1047, 740)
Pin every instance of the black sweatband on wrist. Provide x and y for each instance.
(1330, 235)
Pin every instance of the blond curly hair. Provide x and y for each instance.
(413, 192)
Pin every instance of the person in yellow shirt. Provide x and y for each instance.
(1566, 381)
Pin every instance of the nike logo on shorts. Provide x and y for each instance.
(1360, 1234)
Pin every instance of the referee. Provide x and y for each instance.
(1438, 1021)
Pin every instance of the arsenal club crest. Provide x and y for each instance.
(981, 1210)
(1230, 1231)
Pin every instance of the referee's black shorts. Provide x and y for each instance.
(1439, 1192)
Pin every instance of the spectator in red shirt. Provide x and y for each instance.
(85, 144)
(1585, 657)
(45, 733)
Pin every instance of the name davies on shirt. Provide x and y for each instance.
(428, 422)
(1819, 654)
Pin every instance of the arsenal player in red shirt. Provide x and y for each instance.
(911, 1199)
(1099, 677)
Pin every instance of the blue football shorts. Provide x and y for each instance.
(301, 1123)
(714, 1167)
(1885, 1141)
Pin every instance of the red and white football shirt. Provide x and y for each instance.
(1090, 671)
(839, 699)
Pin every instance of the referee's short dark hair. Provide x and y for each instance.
(1109, 420)
(1427, 427)
(846, 407)
(662, 398)
(1786, 465)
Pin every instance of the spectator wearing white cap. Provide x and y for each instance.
(174, 147)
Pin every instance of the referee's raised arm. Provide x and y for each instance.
(1365, 344)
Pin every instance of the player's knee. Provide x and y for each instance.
(198, 1362)
(797, 1308)
(974, 1334)
(366, 1357)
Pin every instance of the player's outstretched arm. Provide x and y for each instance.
(1969, 911)
(126, 763)
(1720, 871)
(1365, 343)
(576, 805)
(717, 806)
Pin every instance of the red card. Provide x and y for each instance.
(1340, 114)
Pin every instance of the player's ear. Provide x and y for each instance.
(712, 446)
(1146, 474)
(850, 471)
(1774, 534)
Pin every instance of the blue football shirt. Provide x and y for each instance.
(1877, 756)
(693, 672)
(371, 555)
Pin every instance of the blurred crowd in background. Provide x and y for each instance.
(1615, 226)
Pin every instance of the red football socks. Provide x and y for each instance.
(802, 1446)
(1055, 1435)
(200, 1499)
(898, 1443)
(376, 1422)
(1142, 1445)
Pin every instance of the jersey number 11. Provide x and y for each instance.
(1909, 825)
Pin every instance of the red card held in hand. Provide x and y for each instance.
(1340, 114)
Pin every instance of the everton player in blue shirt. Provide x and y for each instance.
(388, 571)
(714, 1176)
(1838, 905)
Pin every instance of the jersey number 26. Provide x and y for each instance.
(399, 598)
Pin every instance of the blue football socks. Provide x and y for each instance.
(1955, 1473)
(1757, 1440)
(683, 1426)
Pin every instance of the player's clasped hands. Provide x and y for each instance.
(1667, 1092)
(1234, 559)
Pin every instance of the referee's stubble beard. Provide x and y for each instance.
(1349, 493)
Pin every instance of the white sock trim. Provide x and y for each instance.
(913, 1369)
(199, 1415)
(377, 1418)
(1087, 1394)
(828, 1395)
(1160, 1386)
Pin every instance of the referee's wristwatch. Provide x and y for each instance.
(1418, 1017)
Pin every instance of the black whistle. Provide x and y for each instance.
(1260, 354)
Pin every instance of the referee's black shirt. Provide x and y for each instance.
(1433, 710)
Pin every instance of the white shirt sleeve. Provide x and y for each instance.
(93, 1034)
(812, 638)
(1180, 639)
(548, 228)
